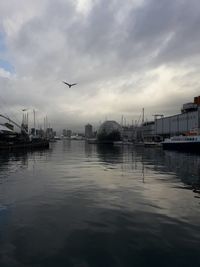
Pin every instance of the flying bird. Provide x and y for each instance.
(70, 85)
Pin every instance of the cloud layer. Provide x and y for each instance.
(142, 53)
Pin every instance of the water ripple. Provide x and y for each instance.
(86, 205)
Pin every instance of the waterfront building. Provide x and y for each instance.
(110, 126)
(179, 124)
(110, 131)
(128, 133)
(188, 120)
(88, 131)
(69, 133)
(64, 132)
(147, 133)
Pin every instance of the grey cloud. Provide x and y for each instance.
(99, 35)
(100, 41)
(114, 45)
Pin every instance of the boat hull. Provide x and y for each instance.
(152, 144)
(182, 146)
(24, 145)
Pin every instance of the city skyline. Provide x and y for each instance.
(143, 54)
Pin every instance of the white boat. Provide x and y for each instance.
(186, 143)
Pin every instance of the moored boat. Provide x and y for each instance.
(184, 143)
(12, 140)
(152, 144)
(123, 143)
(28, 145)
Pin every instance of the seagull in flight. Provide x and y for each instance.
(70, 85)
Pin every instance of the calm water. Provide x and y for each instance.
(83, 205)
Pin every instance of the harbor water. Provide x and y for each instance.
(84, 205)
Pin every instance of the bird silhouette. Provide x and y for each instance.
(70, 85)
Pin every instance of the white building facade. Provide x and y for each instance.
(178, 124)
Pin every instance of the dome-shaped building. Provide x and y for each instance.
(109, 131)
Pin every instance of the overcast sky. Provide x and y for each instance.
(124, 55)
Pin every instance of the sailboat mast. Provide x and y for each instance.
(142, 115)
(34, 118)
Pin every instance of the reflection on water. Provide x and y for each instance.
(185, 166)
(85, 205)
(7, 161)
(10, 162)
(109, 154)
